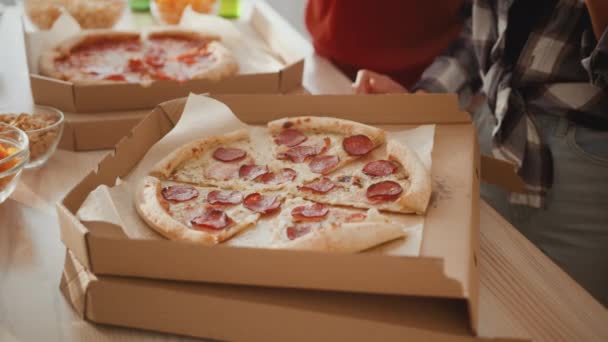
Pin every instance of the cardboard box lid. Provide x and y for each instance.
(447, 267)
(260, 313)
(284, 42)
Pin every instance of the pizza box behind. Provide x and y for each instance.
(99, 131)
(282, 41)
(248, 313)
(447, 265)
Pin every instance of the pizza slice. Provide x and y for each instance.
(203, 215)
(228, 161)
(307, 225)
(101, 56)
(395, 180)
(183, 55)
(314, 146)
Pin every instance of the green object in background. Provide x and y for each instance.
(140, 5)
(229, 8)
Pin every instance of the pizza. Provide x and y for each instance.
(105, 56)
(314, 183)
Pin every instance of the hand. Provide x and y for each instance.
(369, 82)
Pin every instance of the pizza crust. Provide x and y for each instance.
(328, 125)
(348, 237)
(418, 194)
(224, 66)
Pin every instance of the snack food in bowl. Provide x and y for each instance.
(170, 11)
(89, 13)
(43, 128)
(14, 154)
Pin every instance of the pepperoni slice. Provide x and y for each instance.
(154, 61)
(312, 212)
(290, 138)
(283, 176)
(356, 217)
(379, 168)
(262, 204)
(214, 219)
(252, 171)
(162, 76)
(224, 197)
(321, 186)
(357, 145)
(229, 154)
(323, 164)
(384, 191)
(115, 77)
(179, 193)
(136, 64)
(298, 230)
(298, 154)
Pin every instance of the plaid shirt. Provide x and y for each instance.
(562, 70)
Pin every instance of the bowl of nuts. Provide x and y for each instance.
(43, 127)
(14, 154)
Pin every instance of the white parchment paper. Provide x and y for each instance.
(203, 117)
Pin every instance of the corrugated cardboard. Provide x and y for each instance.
(245, 313)
(446, 268)
(275, 31)
(103, 130)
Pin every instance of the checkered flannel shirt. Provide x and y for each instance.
(562, 70)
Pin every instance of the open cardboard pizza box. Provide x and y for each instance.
(445, 268)
(278, 69)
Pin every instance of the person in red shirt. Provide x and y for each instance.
(399, 38)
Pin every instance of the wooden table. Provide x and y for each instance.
(523, 294)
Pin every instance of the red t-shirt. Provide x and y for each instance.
(395, 37)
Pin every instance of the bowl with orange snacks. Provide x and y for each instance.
(170, 11)
(14, 155)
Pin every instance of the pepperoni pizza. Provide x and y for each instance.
(322, 183)
(113, 56)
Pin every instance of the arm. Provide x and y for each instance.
(596, 63)
(598, 10)
(457, 69)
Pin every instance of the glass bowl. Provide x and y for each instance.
(169, 12)
(14, 155)
(90, 14)
(43, 126)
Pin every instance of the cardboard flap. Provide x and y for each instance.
(385, 274)
(280, 36)
(259, 313)
(389, 109)
(501, 173)
(291, 77)
(105, 229)
(61, 96)
(88, 96)
(73, 234)
(75, 282)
